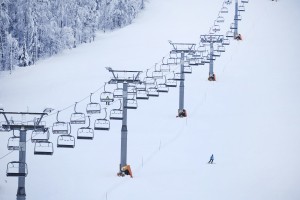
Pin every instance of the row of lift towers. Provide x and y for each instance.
(184, 54)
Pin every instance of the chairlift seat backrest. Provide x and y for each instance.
(85, 133)
(106, 97)
(93, 108)
(43, 148)
(65, 141)
(77, 118)
(102, 124)
(60, 128)
(40, 135)
(13, 169)
(116, 114)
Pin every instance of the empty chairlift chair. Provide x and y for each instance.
(142, 95)
(93, 107)
(65, 141)
(187, 68)
(85, 133)
(157, 73)
(116, 114)
(102, 123)
(162, 87)
(171, 82)
(118, 92)
(13, 143)
(43, 148)
(40, 135)
(152, 91)
(16, 169)
(60, 127)
(149, 80)
(77, 117)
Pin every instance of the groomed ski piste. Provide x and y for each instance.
(249, 118)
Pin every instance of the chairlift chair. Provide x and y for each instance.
(16, 169)
(238, 17)
(152, 92)
(216, 53)
(141, 87)
(142, 95)
(229, 34)
(116, 114)
(216, 28)
(65, 141)
(102, 123)
(178, 77)
(245, 1)
(106, 96)
(226, 41)
(77, 117)
(131, 89)
(171, 82)
(93, 107)
(162, 87)
(224, 9)
(187, 69)
(157, 73)
(43, 148)
(232, 26)
(13, 143)
(40, 135)
(85, 133)
(131, 103)
(60, 127)
(241, 8)
(148, 80)
(221, 48)
(220, 19)
(118, 92)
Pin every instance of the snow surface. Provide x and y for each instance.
(249, 118)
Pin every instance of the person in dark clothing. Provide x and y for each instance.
(211, 161)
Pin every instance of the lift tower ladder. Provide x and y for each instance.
(211, 40)
(124, 77)
(183, 49)
(23, 127)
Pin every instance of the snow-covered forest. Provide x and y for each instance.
(34, 29)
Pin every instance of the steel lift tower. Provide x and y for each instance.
(211, 40)
(183, 49)
(124, 77)
(19, 168)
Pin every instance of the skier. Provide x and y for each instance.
(182, 113)
(125, 170)
(107, 100)
(211, 161)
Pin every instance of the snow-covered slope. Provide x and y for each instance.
(249, 118)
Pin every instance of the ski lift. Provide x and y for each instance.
(142, 95)
(232, 26)
(164, 67)
(178, 76)
(43, 148)
(118, 92)
(220, 19)
(224, 9)
(148, 80)
(102, 123)
(226, 41)
(221, 48)
(131, 103)
(86, 133)
(60, 127)
(241, 8)
(171, 82)
(216, 28)
(157, 73)
(40, 135)
(162, 87)
(13, 143)
(65, 141)
(16, 169)
(116, 114)
(77, 117)
(229, 34)
(93, 107)
(131, 89)
(152, 92)
(106, 96)
(216, 53)
(187, 69)
(238, 17)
